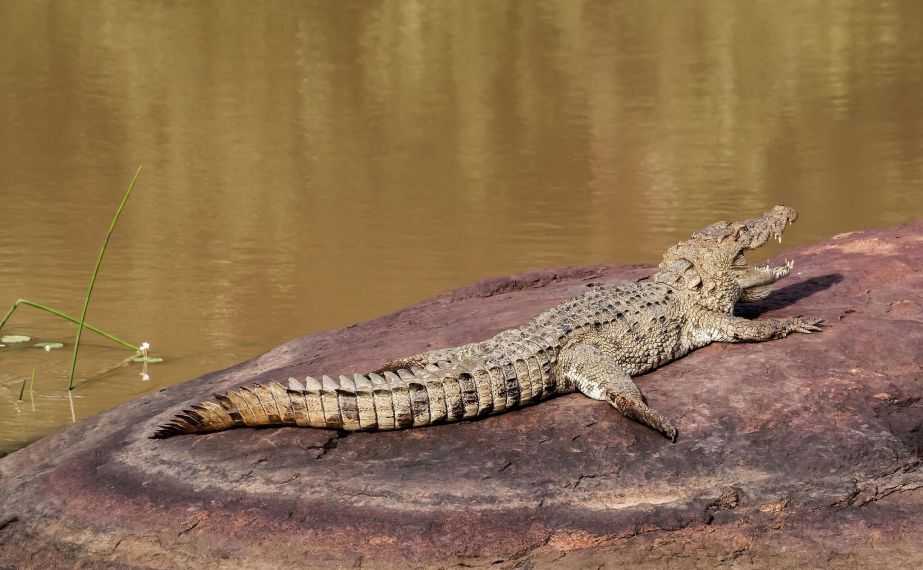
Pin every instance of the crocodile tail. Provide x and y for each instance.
(405, 398)
(257, 405)
(391, 400)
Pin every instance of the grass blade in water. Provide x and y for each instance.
(99, 262)
(66, 317)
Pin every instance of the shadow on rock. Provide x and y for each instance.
(789, 295)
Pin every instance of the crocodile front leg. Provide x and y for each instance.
(727, 328)
(595, 374)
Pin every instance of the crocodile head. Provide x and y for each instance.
(711, 264)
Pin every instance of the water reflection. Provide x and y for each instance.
(308, 165)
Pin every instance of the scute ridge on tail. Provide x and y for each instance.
(354, 402)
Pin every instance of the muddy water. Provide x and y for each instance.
(310, 166)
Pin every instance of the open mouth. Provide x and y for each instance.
(755, 282)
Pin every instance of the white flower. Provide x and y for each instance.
(145, 377)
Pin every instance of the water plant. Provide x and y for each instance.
(66, 317)
(15, 338)
(99, 262)
(141, 352)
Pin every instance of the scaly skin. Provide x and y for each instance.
(593, 344)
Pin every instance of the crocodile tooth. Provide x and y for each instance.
(294, 384)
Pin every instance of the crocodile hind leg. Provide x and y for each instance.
(433, 357)
(406, 363)
(595, 375)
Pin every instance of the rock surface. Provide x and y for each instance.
(799, 452)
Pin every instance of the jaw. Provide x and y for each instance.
(755, 282)
(755, 232)
(711, 263)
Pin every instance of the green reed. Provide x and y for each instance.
(66, 317)
(99, 262)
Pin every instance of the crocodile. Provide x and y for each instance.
(593, 344)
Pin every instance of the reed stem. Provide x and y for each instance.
(65, 316)
(99, 262)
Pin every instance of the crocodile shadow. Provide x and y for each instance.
(789, 295)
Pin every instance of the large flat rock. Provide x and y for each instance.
(799, 452)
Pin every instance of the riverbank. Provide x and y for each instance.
(799, 452)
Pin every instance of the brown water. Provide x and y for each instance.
(310, 166)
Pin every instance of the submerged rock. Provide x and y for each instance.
(799, 452)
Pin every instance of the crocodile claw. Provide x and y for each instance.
(806, 325)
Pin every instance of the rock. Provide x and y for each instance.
(804, 452)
